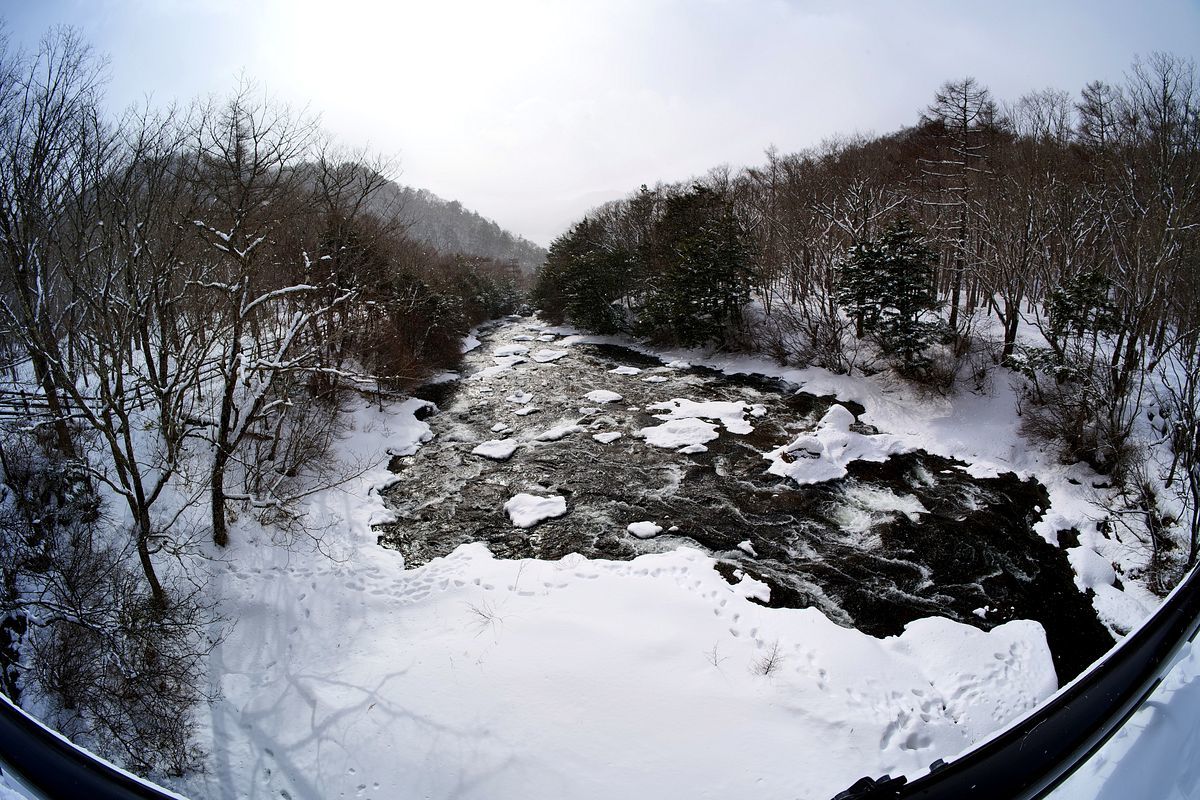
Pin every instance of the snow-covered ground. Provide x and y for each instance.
(348, 676)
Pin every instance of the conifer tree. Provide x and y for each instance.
(886, 285)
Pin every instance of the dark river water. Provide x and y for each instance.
(845, 546)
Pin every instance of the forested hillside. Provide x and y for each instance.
(449, 227)
(1054, 236)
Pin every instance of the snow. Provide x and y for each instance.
(496, 449)
(500, 427)
(10, 791)
(654, 379)
(470, 676)
(520, 398)
(603, 396)
(692, 448)
(679, 433)
(511, 350)
(625, 371)
(644, 530)
(753, 589)
(484, 678)
(559, 432)
(746, 547)
(824, 453)
(526, 411)
(607, 438)
(730, 414)
(1091, 569)
(546, 355)
(469, 343)
(527, 510)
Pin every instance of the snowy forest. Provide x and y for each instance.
(315, 483)
(1054, 236)
(186, 295)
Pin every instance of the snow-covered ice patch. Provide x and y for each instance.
(625, 371)
(558, 432)
(746, 547)
(692, 449)
(527, 510)
(520, 398)
(607, 437)
(511, 350)
(546, 355)
(496, 449)
(824, 453)
(731, 414)
(603, 396)
(679, 433)
(526, 411)
(1091, 568)
(654, 379)
(644, 530)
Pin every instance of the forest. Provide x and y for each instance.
(1055, 237)
(189, 295)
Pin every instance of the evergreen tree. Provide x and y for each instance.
(887, 286)
(583, 279)
(699, 271)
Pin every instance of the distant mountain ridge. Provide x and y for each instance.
(452, 228)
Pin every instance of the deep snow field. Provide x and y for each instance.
(346, 675)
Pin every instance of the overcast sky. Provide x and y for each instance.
(533, 111)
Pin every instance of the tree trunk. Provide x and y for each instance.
(219, 529)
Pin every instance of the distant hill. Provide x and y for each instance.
(451, 228)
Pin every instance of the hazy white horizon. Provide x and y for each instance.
(530, 111)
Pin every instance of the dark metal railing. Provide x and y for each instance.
(55, 768)
(1032, 756)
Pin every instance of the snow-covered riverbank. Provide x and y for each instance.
(472, 676)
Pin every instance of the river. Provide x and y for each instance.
(910, 537)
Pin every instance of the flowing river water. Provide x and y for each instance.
(854, 547)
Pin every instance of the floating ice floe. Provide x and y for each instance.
(731, 414)
(680, 433)
(644, 530)
(558, 432)
(603, 396)
(510, 350)
(746, 547)
(522, 337)
(520, 398)
(499, 427)
(824, 453)
(546, 355)
(496, 449)
(527, 510)
(654, 379)
(625, 371)
(607, 438)
(526, 411)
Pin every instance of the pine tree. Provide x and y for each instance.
(699, 271)
(886, 285)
